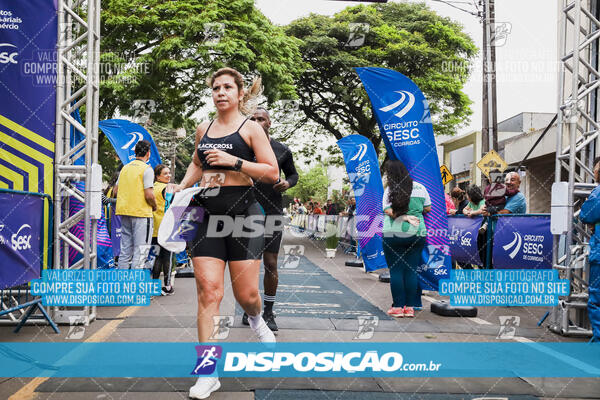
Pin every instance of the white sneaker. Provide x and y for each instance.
(204, 386)
(265, 335)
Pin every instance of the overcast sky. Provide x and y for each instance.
(526, 63)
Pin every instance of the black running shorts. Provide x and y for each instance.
(233, 225)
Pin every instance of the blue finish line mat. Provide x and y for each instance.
(309, 291)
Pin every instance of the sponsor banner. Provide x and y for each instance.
(20, 238)
(115, 232)
(522, 242)
(462, 236)
(28, 32)
(363, 170)
(124, 135)
(308, 359)
(402, 113)
(509, 287)
(103, 240)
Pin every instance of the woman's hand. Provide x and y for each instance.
(411, 219)
(220, 158)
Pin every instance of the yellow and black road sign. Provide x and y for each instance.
(446, 175)
(490, 162)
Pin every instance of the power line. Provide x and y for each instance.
(452, 4)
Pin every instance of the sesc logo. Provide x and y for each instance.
(6, 55)
(465, 239)
(515, 245)
(406, 97)
(21, 241)
(362, 150)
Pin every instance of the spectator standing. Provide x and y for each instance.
(460, 201)
(404, 236)
(331, 208)
(317, 209)
(590, 214)
(163, 257)
(350, 209)
(302, 209)
(476, 202)
(450, 207)
(515, 200)
(135, 204)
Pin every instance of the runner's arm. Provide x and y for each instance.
(194, 170)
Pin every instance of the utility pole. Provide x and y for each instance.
(489, 128)
(485, 137)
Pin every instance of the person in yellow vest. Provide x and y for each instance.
(163, 257)
(135, 204)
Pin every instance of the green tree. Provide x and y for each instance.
(163, 51)
(311, 184)
(406, 37)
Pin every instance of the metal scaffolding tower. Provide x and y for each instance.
(77, 87)
(578, 130)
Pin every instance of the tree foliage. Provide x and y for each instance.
(311, 184)
(163, 51)
(406, 37)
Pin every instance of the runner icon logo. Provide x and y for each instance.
(500, 33)
(366, 327)
(292, 256)
(359, 180)
(508, 326)
(358, 34)
(515, 245)
(213, 32)
(207, 359)
(436, 260)
(76, 327)
(222, 325)
(142, 108)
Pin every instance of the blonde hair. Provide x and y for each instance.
(249, 102)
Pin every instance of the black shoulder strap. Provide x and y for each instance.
(209, 125)
(238, 129)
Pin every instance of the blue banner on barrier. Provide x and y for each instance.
(463, 232)
(308, 359)
(363, 171)
(115, 232)
(522, 242)
(124, 135)
(20, 235)
(402, 113)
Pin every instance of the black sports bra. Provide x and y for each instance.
(233, 144)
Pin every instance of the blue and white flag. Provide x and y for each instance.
(363, 171)
(402, 113)
(124, 135)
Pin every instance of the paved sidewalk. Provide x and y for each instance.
(319, 299)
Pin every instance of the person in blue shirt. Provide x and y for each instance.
(515, 200)
(590, 214)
